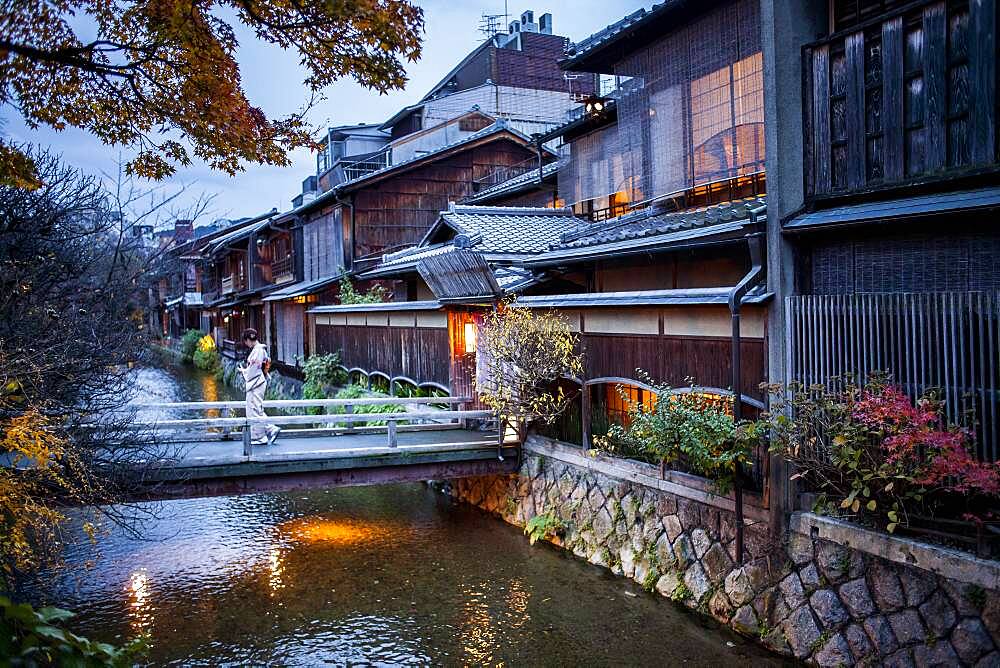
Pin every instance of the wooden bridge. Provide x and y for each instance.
(430, 438)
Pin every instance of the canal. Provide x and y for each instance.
(391, 575)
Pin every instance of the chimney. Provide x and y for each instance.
(545, 23)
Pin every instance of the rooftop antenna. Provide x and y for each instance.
(490, 25)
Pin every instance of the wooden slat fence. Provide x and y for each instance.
(947, 342)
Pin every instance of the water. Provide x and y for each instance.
(391, 575)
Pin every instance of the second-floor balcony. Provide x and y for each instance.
(906, 98)
(283, 270)
(231, 283)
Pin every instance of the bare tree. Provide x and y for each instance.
(71, 326)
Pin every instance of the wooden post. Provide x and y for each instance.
(247, 445)
(391, 424)
(227, 433)
(585, 416)
(348, 410)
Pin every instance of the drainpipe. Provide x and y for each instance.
(753, 278)
(348, 261)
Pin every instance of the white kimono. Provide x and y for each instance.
(255, 382)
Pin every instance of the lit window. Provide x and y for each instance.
(470, 337)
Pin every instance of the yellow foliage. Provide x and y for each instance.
(38, 456)
(206, 343)
(525, 353)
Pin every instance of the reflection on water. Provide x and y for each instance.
(390, 575)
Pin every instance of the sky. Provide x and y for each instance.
(273, 81)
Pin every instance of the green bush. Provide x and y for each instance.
(359, 392)
(689, 427)
(322, 372)
(189, 344)
(207, 360)
(543, 527)
(32, 637)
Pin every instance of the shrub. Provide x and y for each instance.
(206, 357)
(543, 527)
(873, 452)
(32, 637)
(322, 372)
(189, 344)
(686, 427)
(349, 295)
(359, 392)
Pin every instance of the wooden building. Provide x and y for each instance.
(895, 248)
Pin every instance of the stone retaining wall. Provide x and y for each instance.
(830, 602)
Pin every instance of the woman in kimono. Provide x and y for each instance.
(255, 381)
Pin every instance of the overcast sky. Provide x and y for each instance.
(273, 81)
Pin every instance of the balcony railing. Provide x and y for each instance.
(283, 270)
(356, 170)
(908, 97)
(231, 283)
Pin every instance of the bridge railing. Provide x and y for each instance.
(419, 415)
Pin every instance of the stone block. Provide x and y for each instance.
(791, 590)
(939, 614)
(885, 588)
(991, 616)
(683, 552)
(737, 587)
(727, 526)
(833, 560)
(717, 563)
(991, 660)
(801, 631)
(720, 607)
(688, 514)
(917, 586)
(627, 557)
(861, 645)
(907, 627)
(701, 542)
(935, 655)
(958, 594)
(710, 521)
(766, 604)
(880, 633)
(855, 596)
(971, 640)
(601, 523)
(664, 552)
(666, 504)
(672, 525)
(800, 549)
(696, 582)
(901, 658)
(667, 583)
(828, 608)
(809, 577)
(834, 653)
(745, 621)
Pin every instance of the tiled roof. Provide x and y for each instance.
(649, 223)
(616, 30)
(516, 184)
(508, 229)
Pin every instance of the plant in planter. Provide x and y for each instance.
(872, 452)
(686, 427)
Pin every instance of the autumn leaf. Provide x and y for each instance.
(161, 76)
